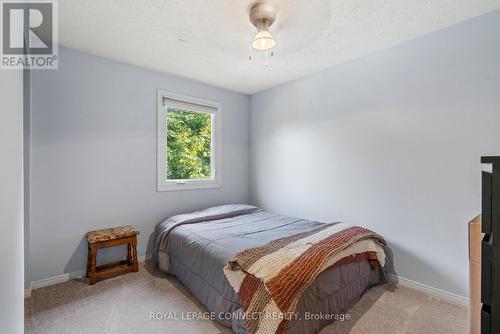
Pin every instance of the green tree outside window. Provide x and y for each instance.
(189, 144)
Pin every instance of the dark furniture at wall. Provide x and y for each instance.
(490, 248)
(112, 237)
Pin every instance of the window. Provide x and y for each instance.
(188, 143)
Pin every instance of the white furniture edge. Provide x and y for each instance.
(66, 277)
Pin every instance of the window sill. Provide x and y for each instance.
(173, 186)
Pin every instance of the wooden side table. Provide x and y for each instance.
(112, 237)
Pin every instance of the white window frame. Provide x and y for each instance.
(199, 105)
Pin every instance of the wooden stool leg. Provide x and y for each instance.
(134, 255)
(92, 264)
(88, 260)
(129, 254)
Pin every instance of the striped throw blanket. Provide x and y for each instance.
(270, 279)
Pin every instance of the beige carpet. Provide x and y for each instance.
(122, 305)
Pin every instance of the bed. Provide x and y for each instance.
(196, 247)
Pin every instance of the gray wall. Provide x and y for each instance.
(94, 156)
(391, 141)
(11, 202)
(27, 174)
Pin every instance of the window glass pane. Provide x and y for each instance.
(189, 144)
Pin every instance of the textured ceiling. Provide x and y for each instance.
(208, 40)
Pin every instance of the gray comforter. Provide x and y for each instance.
(195, 248)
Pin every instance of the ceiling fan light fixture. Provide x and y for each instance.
(262, 14)
(263, 41)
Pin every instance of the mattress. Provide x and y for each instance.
(195, 250)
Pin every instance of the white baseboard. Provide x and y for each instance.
(435, 292)
(66, 277)
(145, 258)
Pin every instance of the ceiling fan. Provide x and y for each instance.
(262, 14)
